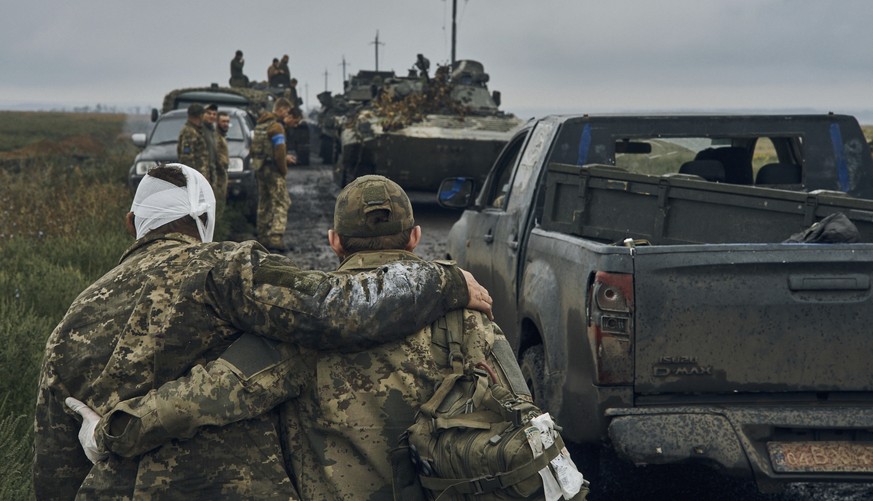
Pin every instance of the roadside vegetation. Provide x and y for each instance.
(62, 202)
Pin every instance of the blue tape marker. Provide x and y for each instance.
(278, 139)
(584, 144)
(839, 155)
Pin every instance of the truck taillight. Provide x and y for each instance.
(610, 327)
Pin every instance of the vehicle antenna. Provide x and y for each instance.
(377, 43)
(454, 30)
(344, 64)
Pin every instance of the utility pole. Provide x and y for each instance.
(454, 29)
(377, 43)
(325, 79)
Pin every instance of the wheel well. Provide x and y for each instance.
(529, 335)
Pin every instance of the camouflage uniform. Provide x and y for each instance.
(222, 163)
(273, 198)
(210, 135)
(192, 148)
(343, 426)
(174, 302)
(351, 408)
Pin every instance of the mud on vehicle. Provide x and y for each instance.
(419, 129)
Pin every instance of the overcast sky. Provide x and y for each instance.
(544, 56)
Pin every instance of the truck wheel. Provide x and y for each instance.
(533, 367)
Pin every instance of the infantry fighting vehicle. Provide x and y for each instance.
(359, 90)
(418, 130)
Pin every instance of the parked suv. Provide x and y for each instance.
(159, 146)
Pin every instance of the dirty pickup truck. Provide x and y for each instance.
(637, 265)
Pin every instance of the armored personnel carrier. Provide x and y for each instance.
(359, 90)
(418, 129)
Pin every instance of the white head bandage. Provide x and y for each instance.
(158, 202)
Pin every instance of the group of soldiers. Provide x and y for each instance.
(278, 77)
(217, 370)
(220, 370)
(202, 145)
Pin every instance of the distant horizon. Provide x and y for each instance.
(555, 57)
(864, 116)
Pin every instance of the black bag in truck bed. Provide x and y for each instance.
(609, 204)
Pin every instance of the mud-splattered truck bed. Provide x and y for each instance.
(639, 268)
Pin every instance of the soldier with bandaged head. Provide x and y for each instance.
(175, 302)
(343, 412)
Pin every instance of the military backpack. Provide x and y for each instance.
(479, 438)
(262, 147)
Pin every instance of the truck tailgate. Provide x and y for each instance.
(726, 319)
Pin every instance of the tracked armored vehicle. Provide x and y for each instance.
(418, 130)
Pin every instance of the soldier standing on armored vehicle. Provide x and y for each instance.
(270, 164)
(237, 77)
(284, 78)
(192, 148)
(274, 74)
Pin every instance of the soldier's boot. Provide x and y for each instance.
(275, 244)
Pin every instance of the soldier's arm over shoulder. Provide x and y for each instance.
(253, 376)
(268, 295)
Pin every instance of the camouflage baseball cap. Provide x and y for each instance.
(365, 195)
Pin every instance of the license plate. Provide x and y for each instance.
(793, 457)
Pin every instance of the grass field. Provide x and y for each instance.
(868, 132)
(62, 202)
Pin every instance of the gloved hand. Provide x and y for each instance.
(86, 432)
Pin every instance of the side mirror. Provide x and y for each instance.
(139, 139)
(456, 193)
(154, 114)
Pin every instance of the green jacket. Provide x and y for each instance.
(192, 148)
(173, 303)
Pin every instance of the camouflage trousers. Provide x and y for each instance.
(219, 187)
(273, 205)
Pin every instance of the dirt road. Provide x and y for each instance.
(313, 194)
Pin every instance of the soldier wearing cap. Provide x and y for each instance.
(351, 407)
(192, 148)
(177, 299)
